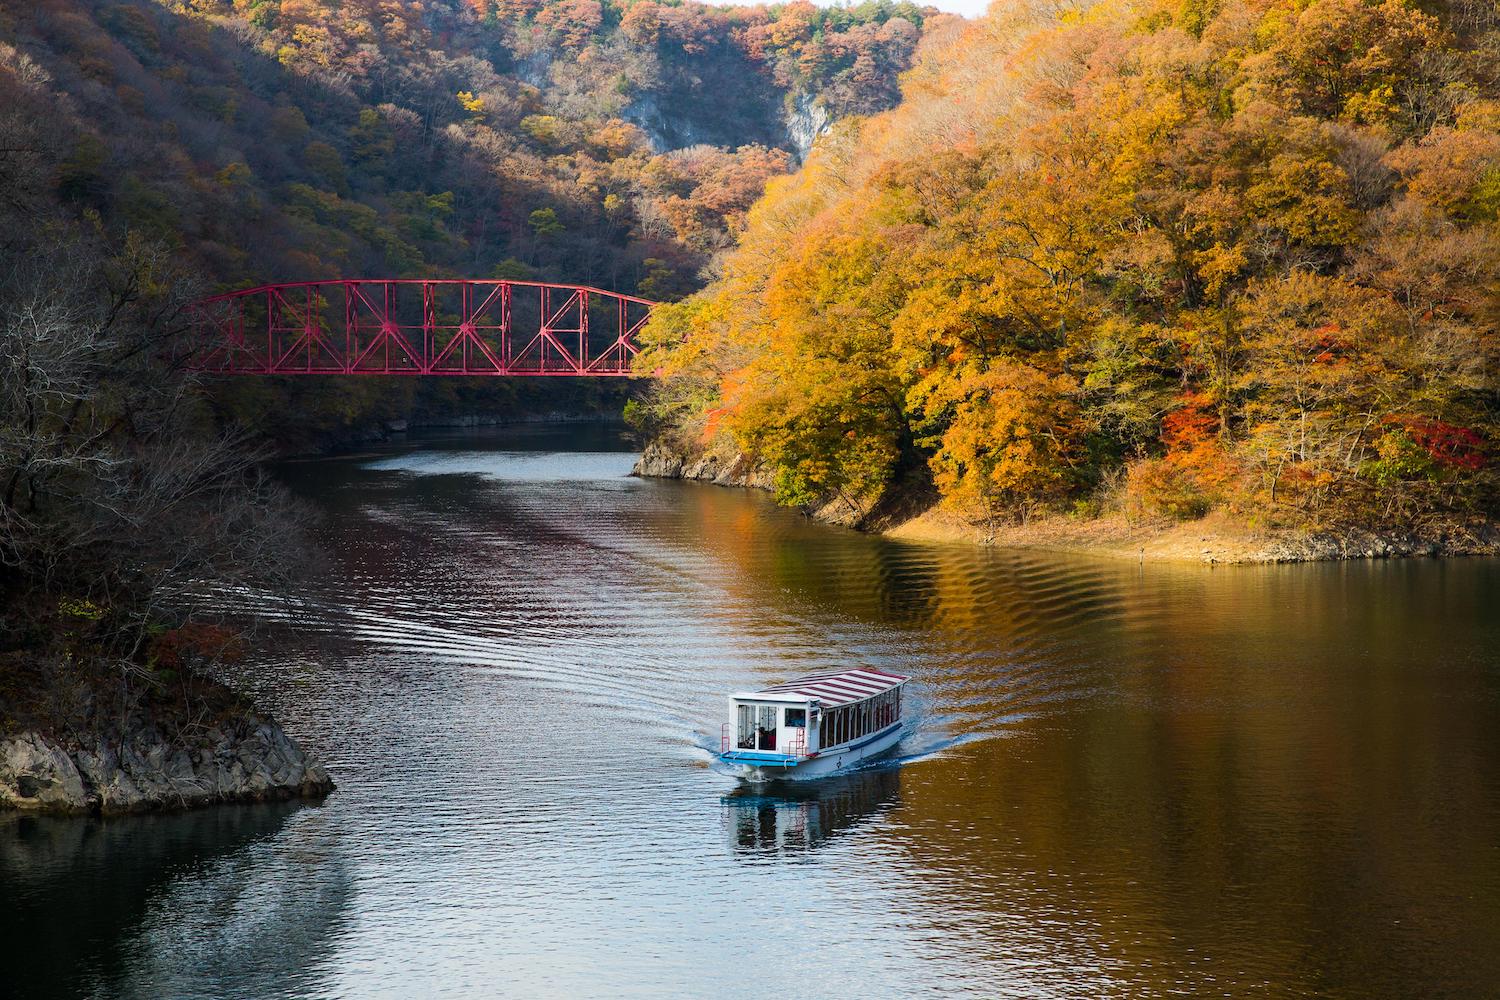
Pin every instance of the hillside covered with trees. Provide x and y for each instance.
(153, 152)
(607, 143)
(1150, 258)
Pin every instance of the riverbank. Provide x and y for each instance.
(251, 760)
(81, 742)
(1215, 539)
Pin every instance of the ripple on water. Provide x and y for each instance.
(1115, 779)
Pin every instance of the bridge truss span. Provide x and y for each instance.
(418, 327)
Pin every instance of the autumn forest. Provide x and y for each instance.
(153, 152)
(1044, 341)
(1151, 259)
(618, 145)
(1146, 261)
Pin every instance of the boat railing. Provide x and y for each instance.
(796, 743)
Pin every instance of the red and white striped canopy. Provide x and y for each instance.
(839, 687)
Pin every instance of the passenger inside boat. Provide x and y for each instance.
(756, 728)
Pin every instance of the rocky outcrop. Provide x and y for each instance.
(806, 120)
(249, 761)
(661, 462)
(1456, 538)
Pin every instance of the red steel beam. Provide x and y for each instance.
(463, 326)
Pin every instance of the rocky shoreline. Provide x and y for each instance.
(248, 760)
(1212, 540)
(660, 462)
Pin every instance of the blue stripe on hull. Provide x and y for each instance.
(824, 762)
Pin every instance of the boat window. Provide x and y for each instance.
(766, 728)
(796, 718)
(745, 727)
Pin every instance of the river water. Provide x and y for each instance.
(1118, 780)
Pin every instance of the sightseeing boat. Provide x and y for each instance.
(814, 725)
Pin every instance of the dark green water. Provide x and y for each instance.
(1120, 780)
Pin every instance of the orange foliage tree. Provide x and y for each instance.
(1241, 254)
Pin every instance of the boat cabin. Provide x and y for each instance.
(813, 715)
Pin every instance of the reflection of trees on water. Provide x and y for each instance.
(228, 901)
(75, 887)
(794, 817)
(255, 923)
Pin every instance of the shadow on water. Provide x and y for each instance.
(792, 818)
(95, 907)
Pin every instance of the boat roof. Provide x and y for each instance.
(836, 687)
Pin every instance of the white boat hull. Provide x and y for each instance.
(834, 761)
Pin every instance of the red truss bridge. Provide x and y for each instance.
(414, 326)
